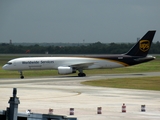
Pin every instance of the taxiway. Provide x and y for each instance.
(64, 92)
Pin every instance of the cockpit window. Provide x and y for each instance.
(9, 63)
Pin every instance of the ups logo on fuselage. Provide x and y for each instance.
(144, 45)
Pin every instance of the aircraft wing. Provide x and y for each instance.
(81, 65)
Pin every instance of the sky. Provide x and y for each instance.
(78, 21)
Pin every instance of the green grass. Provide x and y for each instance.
(144, 83)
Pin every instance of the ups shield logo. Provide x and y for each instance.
(144, 45)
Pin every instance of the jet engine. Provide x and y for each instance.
(66, 70)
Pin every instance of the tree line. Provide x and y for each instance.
(93, 48)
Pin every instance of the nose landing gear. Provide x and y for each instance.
(21, 74)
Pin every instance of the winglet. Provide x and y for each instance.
(141, 48)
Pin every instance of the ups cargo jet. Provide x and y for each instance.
(67, 65)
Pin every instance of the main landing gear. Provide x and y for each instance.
(21, 74)
(81, 74)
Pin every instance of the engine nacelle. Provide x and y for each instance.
(65, 70)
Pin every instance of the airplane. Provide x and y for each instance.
(68, 65)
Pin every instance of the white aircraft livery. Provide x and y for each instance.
(67, 65)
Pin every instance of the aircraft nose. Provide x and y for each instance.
(4, 67)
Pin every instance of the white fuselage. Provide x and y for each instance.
(46, 63)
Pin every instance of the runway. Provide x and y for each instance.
(64, 92)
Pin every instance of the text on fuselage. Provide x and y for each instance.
(37, 62)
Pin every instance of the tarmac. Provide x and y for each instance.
(64, 92)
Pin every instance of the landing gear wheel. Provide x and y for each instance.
(22, 77)
(81, 74)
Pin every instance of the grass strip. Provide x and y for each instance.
(142, 83)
